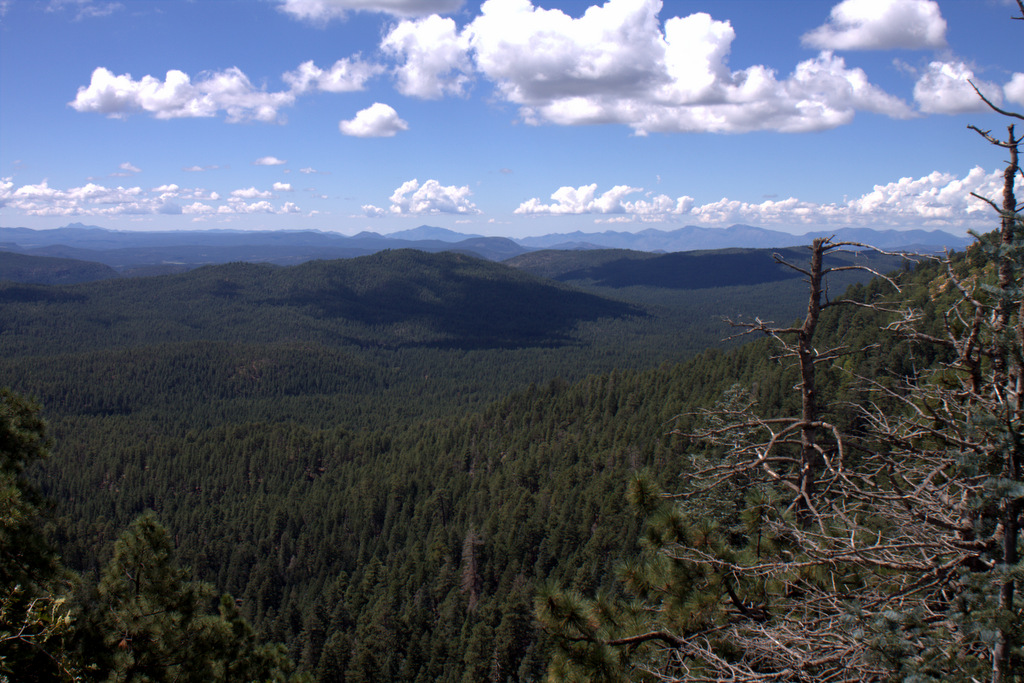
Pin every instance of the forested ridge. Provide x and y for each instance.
(394, 466)
(405, 549)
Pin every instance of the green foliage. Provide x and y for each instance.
(145, 621)
(24, 556)
(325, 458)
(149, 621)
(34, 629)
(34, 619)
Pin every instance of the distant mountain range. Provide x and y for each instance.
(691, 238)
(136, 252)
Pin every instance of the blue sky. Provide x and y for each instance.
(507, 117)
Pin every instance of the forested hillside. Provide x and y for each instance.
(43, 270)
(355, 450)
(690, 270)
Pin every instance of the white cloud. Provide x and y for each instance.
(282, 187)
(198, 208)
(93, 199)
(269, 161)
(347, 75)
(435, 59)
(537, 55)
(308, 170)
(1014, 90)
(374, 211)
(84, 9)
(880, 25)
(251, 193)
(376, 121)
(128, 167)
(618, 64)
(228, 91)
(242, 207)
(411, 198)
(579, 200)
(169, 190)
(583, 200)
(6, 189)
(937, 200)
(944, 89)
(325, 10)
(42, 200)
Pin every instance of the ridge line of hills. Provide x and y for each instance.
(80, 253)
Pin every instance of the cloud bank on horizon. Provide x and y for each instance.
(938, 200)
(622, 65)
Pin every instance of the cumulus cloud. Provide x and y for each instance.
(128, 167)
(937, 200)
(228, 91)
(535, 55)
(251, 193)
(198, 209)
(431, 197)
(269, 161)
(578, 200)
(1014, 90)
(325, 10)
(880, 25)
(41, 199)
(618, 63)
(584, 200)
(374, 211)
(211, 93)
(239, 206)
(169, 190)
(282, 187)
(376, 121)
(944, 89)
(434, 55)
(347, 75)
(92, 199)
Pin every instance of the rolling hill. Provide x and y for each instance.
(141, 253)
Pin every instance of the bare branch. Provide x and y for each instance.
(993, 107)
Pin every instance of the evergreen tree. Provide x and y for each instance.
(152, 622)
(35, 620)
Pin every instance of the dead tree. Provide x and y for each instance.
(798, 631)
(890, 553)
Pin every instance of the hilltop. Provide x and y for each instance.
(146, 253)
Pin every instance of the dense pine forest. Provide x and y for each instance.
(375, 529)
(382, 458)
(430, 467)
